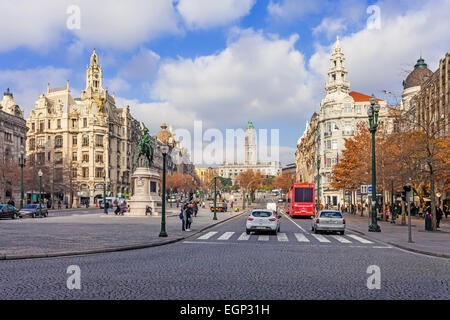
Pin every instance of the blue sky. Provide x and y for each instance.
(224, 62)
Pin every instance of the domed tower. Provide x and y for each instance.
(412, 83)
(337, 73)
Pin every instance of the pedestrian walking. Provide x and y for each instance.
(446, 210)
(195, 208)
(189, 213)
(183, 218)
(438, 216)
(59, 205)
(106, 206)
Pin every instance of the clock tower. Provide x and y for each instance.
(94, 75)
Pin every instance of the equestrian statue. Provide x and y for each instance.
(145, 149)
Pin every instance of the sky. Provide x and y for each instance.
(223, 62)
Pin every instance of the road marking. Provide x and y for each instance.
(362, 240)
(226, 236)
(341, 239)
(202, 242)
(287, 217)
(282, 237)
(263, 238)
(380, 247)
(207, 236)
(244, 236)
(301, 237)
(320, 237)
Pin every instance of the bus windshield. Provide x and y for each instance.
(303, 194)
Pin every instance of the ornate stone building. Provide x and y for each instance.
(340, 112)
(251, 162)
(79, 140)
(305, 155)
(13, 132)
(432, 101)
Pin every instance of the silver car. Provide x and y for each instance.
(263, 220)
(328, 220)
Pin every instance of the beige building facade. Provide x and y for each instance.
(83, 141)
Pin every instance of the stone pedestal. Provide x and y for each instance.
(146, 192)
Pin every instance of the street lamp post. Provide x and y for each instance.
(164, 151)
(104, 193)
(22, 162)
(215, 196)
(318, 186)
(40, 191)
(392, 203)
(372, 112)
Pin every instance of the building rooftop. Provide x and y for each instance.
(361, 97)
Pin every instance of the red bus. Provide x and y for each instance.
(300, 200)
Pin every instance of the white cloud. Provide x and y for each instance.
(253, 78)
(111, 24)
(26, 85)
(330, 27)
(200, 14)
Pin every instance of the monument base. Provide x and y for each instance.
(146, 188)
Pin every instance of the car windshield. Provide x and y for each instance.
(261, 214)
(330, 214)
(30, 206)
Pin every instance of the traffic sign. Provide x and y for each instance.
(369, 189)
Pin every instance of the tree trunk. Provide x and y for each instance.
(433, 200)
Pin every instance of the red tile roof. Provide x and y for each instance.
(361, 97)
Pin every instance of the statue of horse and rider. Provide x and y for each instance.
(145, 149)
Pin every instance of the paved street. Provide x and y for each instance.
(224, 263)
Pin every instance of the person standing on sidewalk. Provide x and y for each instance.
(106, 207)
(183, 217)
(446, 210)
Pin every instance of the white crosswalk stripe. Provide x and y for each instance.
(341, 239)
(362, 240)
(263, 238)
(320, 237)
(244, 236)
(226, 236)
(301, 237)
(207, 236)
(282, 237)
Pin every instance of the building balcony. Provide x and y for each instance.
(327, 134)
(347, 132)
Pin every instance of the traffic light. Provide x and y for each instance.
(404, 196)
(405, 192)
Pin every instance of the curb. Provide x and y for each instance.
(439, 255)
(111, 249)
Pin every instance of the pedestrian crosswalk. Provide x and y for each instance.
(284, 237)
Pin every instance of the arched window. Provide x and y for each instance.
(85, 140)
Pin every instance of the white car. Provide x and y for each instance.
(328, 220)
(263, 220)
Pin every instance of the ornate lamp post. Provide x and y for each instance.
(40, 191)
(215, 196)
(372, 112)
(22, 162)
(164, 150)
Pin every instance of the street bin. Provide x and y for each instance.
(428, 223)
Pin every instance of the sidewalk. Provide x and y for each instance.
(425, 242)
(94, 233)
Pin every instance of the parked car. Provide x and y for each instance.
(9, 211)
(220, 207)
(33, 211)
(328, 220)
(263, 220)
